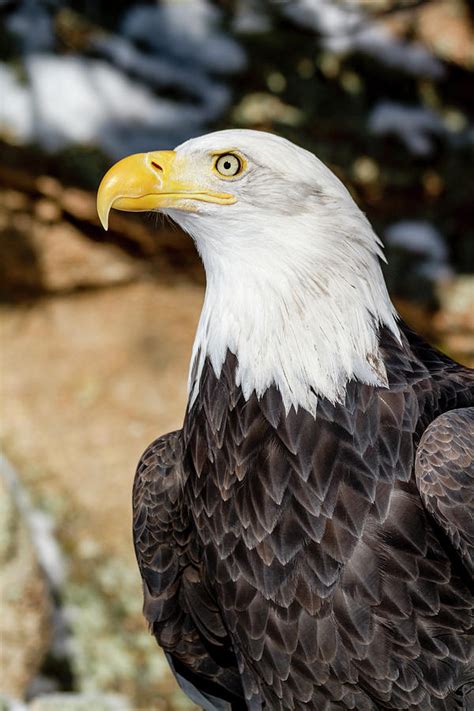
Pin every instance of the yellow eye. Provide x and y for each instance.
(228, 165)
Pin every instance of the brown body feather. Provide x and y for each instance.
(299, 562)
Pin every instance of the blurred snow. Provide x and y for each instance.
(115, 98)
(187, 32)
(32, 26)
(100, 104)
(346, 28)
(435, 271)
(417, 236)
(415, 126)
(423, 239)
(211, 97)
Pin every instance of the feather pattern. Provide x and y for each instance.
(300, 561)
(445, 476)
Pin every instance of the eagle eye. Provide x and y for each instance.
(228, 165)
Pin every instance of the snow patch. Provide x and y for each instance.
(186, 31)
(32, 26)
(415, 126)
(99, 105)
(417, 236)
(422, 238)
(346, 28)
(211, 97)
(113, 99)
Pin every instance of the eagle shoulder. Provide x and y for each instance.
(159, 523)
(444, 471)
(179, 608)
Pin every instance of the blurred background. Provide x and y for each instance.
(97, 327)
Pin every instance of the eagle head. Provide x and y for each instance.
(294, 286)
(236, 183)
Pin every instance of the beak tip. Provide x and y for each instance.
(104, 218)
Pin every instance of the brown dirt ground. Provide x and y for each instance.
(89, 380)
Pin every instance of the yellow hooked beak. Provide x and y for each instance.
(150, 181)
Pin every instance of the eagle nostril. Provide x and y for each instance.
(156, 165)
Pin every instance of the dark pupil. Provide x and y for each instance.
(227, 165)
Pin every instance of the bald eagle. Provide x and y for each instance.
(305, 540)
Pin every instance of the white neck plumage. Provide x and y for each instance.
(301, 308)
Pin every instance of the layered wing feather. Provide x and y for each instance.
(182, 613)
(445, 477)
